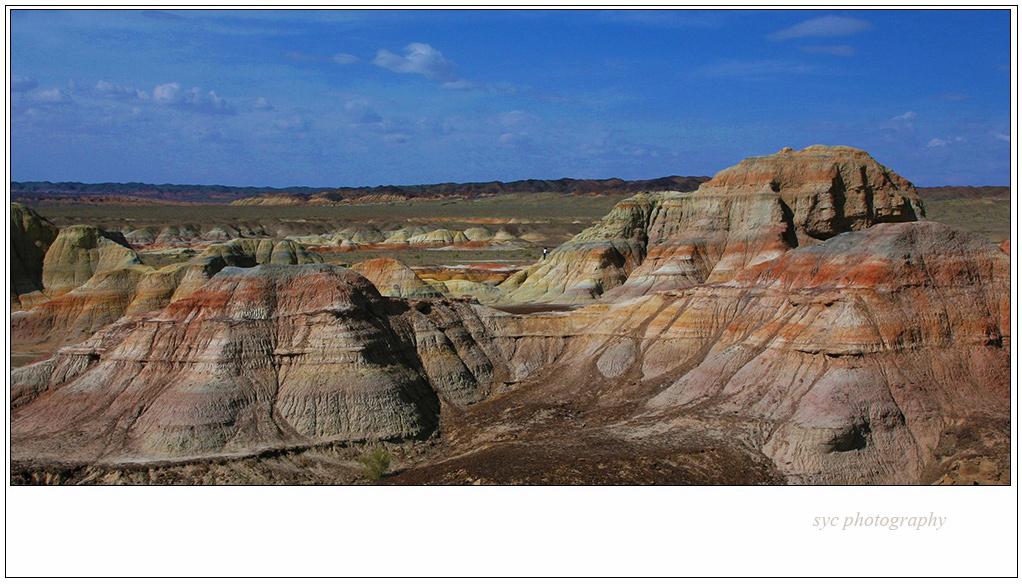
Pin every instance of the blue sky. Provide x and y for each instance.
(351, 98)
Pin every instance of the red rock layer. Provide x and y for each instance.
(857, 360)
(258, 358)
(745, 215)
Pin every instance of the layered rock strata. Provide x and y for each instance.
(81, 251)
(258, 358)
(745, 215)
(121, 286)
(822, 334)
(393, 278)
(31, 235)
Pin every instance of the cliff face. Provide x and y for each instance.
(31, 236)
(79, 252)
(745, 215)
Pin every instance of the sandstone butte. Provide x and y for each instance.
(746, 214)
(795, 321)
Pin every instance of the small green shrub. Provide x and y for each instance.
(375, 464)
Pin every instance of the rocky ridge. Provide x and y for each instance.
(118, 285)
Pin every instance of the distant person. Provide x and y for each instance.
(544, 253)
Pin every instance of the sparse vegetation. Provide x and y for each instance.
(375, 463)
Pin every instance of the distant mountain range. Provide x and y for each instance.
(46, 192)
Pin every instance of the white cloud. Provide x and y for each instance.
(419, 58)
(53, 96)
(838, 50)
(910, 115)
(262, 104)
(822, 26)
(938, 142)
(344, 59)
(194, 99)
(295, 123)
(117, 90)
(168, 93)
(1001, 136)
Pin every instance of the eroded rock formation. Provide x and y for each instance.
(31, 236)
(81, 251)
(793, 321)
(120, 286)
(747, 214)
(393, 278)
(257, 358)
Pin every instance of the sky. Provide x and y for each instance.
(362, 98)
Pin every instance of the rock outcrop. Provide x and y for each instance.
(121, 286)
(256, 359)
(81, 251)
(745, 215)
(31, 235)
(393, 278)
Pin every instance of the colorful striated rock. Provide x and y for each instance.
(856, 360)
(393, 278)
(79, 252)
(130, 288)
(745, 215)
(258, 358)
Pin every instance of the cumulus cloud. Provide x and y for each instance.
(53, 96)
(119, 91)
(419, 58)
(838, 50)
(19, 83)
(295, 123)
(822, 26)
(194, 99)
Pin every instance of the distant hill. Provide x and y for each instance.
(946, 193)
(141, 193)
(43, 193)
(138, 193)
